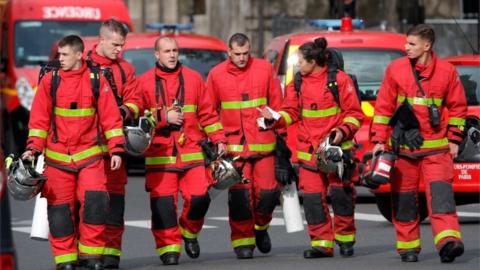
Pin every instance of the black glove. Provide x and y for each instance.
(413, 139)
(208, 151)
(284, 171)
(397, 137)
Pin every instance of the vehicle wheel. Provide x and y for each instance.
(384, 205)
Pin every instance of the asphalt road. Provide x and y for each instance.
(375, 248)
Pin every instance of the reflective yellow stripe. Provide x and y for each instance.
(57, 156)
(213, 127)
(304, 155)
(87, 153)
(261, 227)
(187, 234)
(408, 245)
(346, 145)
(38, 133)
(262, 147)
(160, 160)
(244, 104)
(287, 117)
(189, 108)
(112, 251)
(75, 157)
(345, 237)
(104, 148)
(321, 113)
(235, 148)
(456, 121)
(367, 108)
(446, 233)
(380, 119)
(428, 143)
(192, 156)
(9, 91)
(322, 243)
(74, 112)
(421, 100)
(134, 108)
(352, 120)
(170, 248)
(90, 250)
(113, 133)
(70, 257)
(243, 242)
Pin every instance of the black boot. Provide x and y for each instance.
(170, 258)
(346, 248)
(111, 262)
(314, 253)
(67, 266)
(244, 252)
(409, 256)
(91, 263)
(450, 251)
(262, 239)
(192, 247)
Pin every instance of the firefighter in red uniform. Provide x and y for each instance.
(176, 97)
(121, 77)
(240, 86)
(70, 107)
(319, 115)
(421, 105)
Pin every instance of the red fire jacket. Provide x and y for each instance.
(75, 117)
(179, 149)
(441, 86)
(318, 113)
(237, 93)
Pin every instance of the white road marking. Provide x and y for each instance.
(468, 214)
(23, 229)
(146, 224)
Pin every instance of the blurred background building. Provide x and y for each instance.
(264, 19)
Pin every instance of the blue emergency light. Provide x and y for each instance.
(174, 27)
(334, 24)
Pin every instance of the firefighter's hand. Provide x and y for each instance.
(453, 149)
(378, 147)
(338, 136)
(221, 149)
(28, 155)
(174, 117)
(115, 162)
(266, 113)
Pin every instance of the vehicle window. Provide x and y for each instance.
(470, 78)
(30, 49)
(368, 65)
(200, 60)
(272, 57)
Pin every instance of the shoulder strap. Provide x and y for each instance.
(53, 93)
(332, 84)
(122, 72)
(95, 80)
(297, 83)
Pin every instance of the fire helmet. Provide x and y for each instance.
(138, 138)
(225, 174)
(23, 182)
(330, 157)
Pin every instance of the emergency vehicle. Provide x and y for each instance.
(366, 55)
(28, 30)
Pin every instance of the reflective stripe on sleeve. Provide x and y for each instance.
(113, 133)
(38, 133)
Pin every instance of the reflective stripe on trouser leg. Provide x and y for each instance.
(404, 210)
(194, 188)
(343, 204)
(115, 225)
(438, 177)
(163, 188)
(265, 190)
(315, 206)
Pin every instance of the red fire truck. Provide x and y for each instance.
(28, 29)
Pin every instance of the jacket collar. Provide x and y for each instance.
(74, 73)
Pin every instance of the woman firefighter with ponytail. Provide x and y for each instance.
(328, 119)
